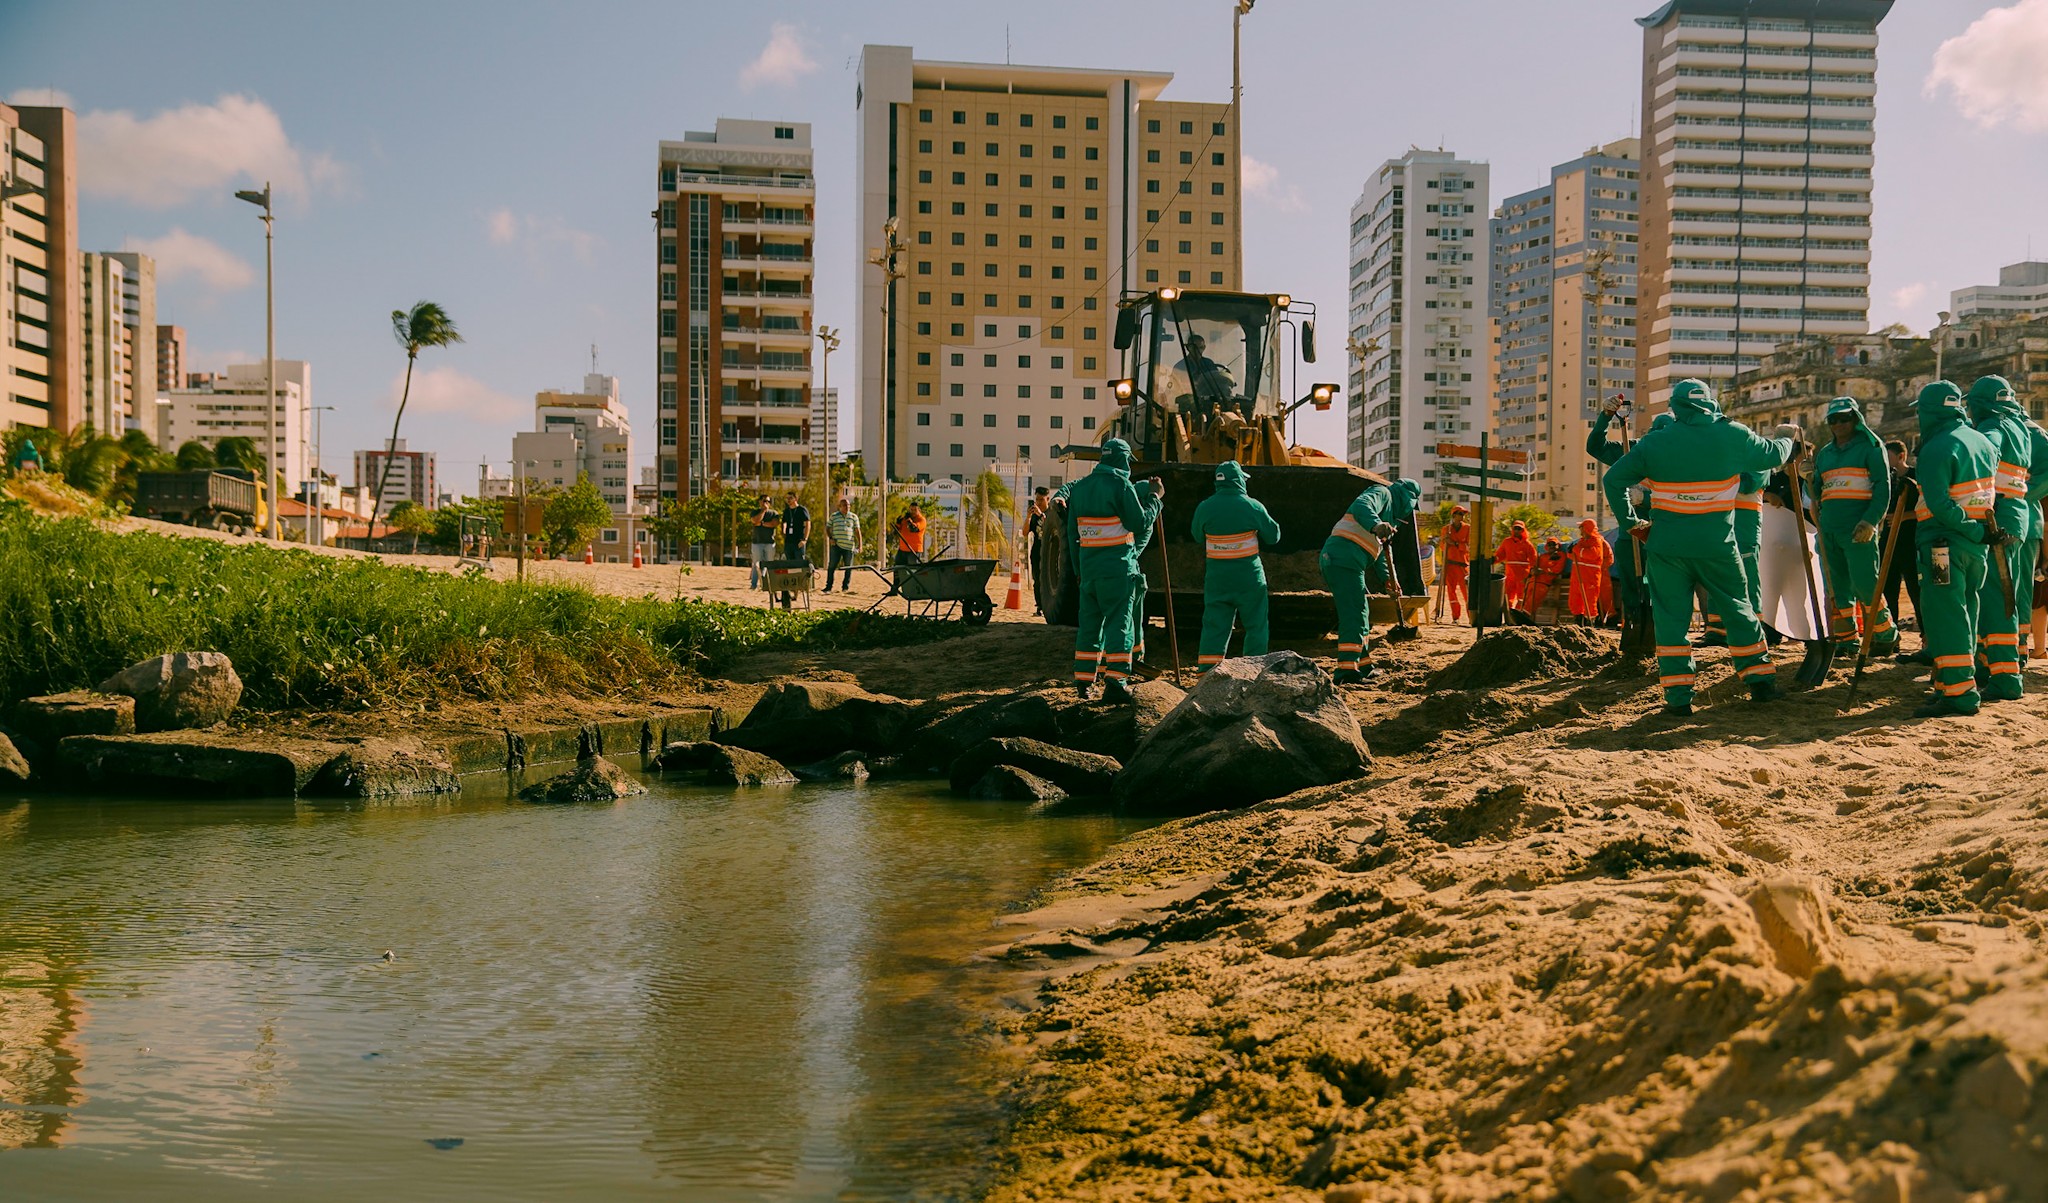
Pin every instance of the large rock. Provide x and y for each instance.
(1253, 729)
(805, 720)
(721, 764)
(14, 770)
(1074, 772)
(80, 712)
(1117, 729)
(1053, 714)
(1008, 783)
(382, 768)
(180, 691)
(847, 766)
(594, 779)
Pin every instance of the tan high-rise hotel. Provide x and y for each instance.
(1027, 200)
(1758, 125)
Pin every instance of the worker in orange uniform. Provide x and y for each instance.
(1551, 564)
(1516, 556)
(1591, 558)
(1457, 544)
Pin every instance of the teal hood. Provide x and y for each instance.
(1230, 477)
(1848, 405)
(1661, 421)
(1940, 406)
(1407, 495)
(1993, 395)
(1116, 454)
(1692, 402)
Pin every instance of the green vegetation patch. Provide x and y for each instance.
(78, 603)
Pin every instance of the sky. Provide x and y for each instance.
(500, 158)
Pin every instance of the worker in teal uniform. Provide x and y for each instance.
(1106, 513)
(1957, 473)
(1232, 527)
(1996, 414)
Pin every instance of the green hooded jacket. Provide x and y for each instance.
(1694, 469)
(1366, 511)
(1109, 519)
(1956, 470)
(1230, 512)
(1996, 414)
(1850, 484)
(2037, 484)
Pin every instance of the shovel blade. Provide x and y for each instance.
(1820, 657)
(1402, 634)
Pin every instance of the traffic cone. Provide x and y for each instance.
(636, 555)
(589, 556)
(1016, 599)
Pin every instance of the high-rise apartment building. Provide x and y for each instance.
(2021, 291)
(1564, 285)
(736, 208)
(41, 355)
(824, 428)
(117, 325)
(603, 434)
(411, 478)
(1419, 281)
(1027, 200)
(170, 357)
(1758, 130)
(233, 404)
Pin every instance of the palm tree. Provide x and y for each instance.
(426, 324)
(141, 455)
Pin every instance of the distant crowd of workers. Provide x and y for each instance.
(1688, 496)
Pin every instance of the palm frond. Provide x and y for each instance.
(426, 324)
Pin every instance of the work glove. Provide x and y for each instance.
(1789, 430)
(1384, 530)
(1865, 532)
(1998, 537)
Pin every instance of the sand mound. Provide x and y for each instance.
(1513, 655)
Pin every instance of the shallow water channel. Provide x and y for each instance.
(693, 994)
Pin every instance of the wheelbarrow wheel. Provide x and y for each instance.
(976, 611)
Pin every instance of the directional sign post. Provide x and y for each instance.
(1479, 487)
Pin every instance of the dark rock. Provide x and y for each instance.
(594, 779)
(1117, 729)
(1074, 772)
(939, 742)
(1254, 728)
(190, 762)
(180, 691)
(14, 770)
(721, 764)
(809, 719)
(80, 712)
(847, 766)
(1008, 783)
(380, 768)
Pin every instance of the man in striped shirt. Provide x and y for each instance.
(1694, 471)
(842, 532)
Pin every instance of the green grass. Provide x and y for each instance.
(78, 603)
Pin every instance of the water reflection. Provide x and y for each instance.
(699, 994)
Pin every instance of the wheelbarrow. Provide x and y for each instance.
(942, 589)
(782, 580)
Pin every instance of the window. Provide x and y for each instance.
(1023, 271)
(990, 210)
(1187, 127)
(988, 419)
(1215, 248)
(958, 269)
(924, 206)
(988, 451)
(924, 388)
(668, 286)
(1059, 121)
(1090, 153)
(959, 238)
(924, 116)
(924, 267)
(1185, 247)
(1024, 151)
(959, 117)
(1088, 363)
(1059, 241)
(924, 448)
(988, 300)
(1089, 183)
(959, 208)
(924, 177)
(1057, 392)
(1186, 217)
(958, 450)
(988, 330)
(1217, 129)
(959, 148)
(1088, 420)
(1189, 186)
(1152, 216)
(1023, 361)
(1151, 185)
(1151, 127)
(1024, 240)
(785, 132)
(1024, 119)
(1094, 123)
(1059, 212)
(959, 178)
(1057, 333)
(988, 240)
(956, 390)
(991, 180)
(1058, 362)
(1215, 277)
(1024, 420)
(956, 299)
(924, 327)
(1024, 181)
(1024, 394)
(988, 390)
(924, 417)
(668, 252)
(1088, 214)
(1216, 188)
(1151, 156)
(924, 146)
(988, 361)
(1088, 334)
(1187, 156)
(1058, 272)
(958, 329)
(1216, 217)
(1059, 181)
(1087, 273)
(1216, 159)
(924, 359)
(991, 119)
(1058, 422)
(988, 269)
(957, 420)
(1059, 302)
(991, 149)
(1088, 244)
(1024, 210)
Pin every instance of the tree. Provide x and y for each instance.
(986, 503)
(412, 518)
(1541, 522)
(675, 524)
(426, 324)
(139, 455)
(195, 456)
(573, 516)
(448, 524)
(238, 453)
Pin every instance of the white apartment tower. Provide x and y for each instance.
(1420, 270)
(2021, 291)
(1758, 131)
(603, 439)
(234, 404)
(735, 210)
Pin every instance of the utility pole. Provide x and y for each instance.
(1237, 13)
(272, 468)
(1597, 281)
(828, 342)
(887, 258)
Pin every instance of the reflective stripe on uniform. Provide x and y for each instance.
(1695, 496)
(1102, 532)
(1754, 649)
(1241, 546)
(1845, 484)
(1677, 679)
(1962, 661)
(1350, 528)
(1975, 496)
(2010, 480)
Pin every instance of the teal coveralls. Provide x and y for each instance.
(1106, 514)
(1851, 486)
(1694, 470)
(1232, 528)
(1957, 472)
(1354, 564)
(1996, 414)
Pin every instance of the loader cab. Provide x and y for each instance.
(1196, 361)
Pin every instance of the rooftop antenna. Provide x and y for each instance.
(1006, 44)
(593, 359)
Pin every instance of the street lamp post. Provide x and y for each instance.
(316, 509)
(828, 342)
(519, 515)
(262, 200)
(887, 259)
(1940, 342)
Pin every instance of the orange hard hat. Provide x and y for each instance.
(1457, 509)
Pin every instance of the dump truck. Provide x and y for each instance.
(223, 498)
(1201, 384)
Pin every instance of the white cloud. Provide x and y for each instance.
(197, 150)
(781, 62)
(1911, 295)
(1994, 69)
(180, 255)
(1261, 181)
(539, 237)
(444, 390)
